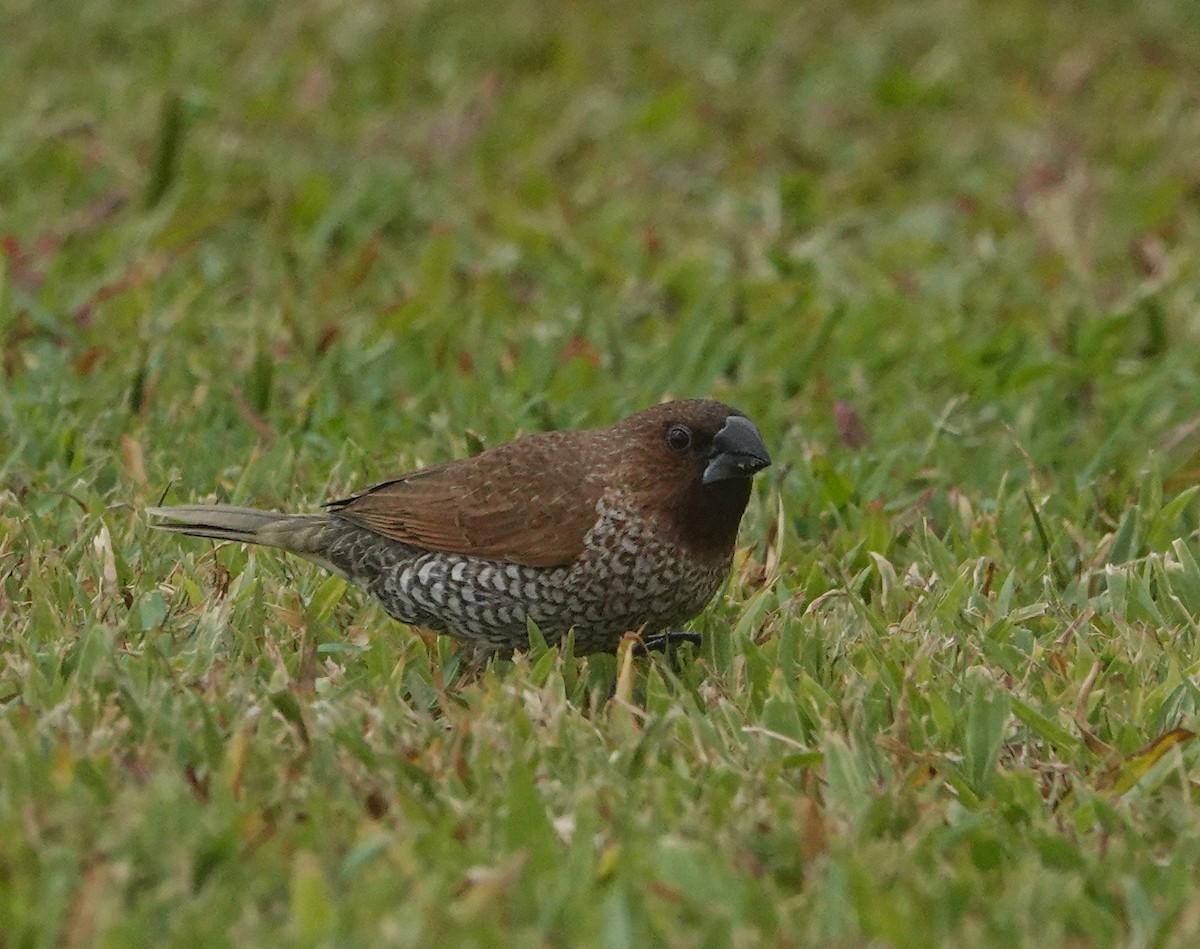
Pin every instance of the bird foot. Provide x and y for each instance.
(663, 642)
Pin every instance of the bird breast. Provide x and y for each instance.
(627, 578)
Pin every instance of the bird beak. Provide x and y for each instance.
(737, 451)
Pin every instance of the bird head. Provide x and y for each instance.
(692, 462)
(697, 443)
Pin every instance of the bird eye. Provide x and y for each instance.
(679, 437)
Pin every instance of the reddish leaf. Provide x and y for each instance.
(851, 431)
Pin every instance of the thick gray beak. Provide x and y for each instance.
(737, 451)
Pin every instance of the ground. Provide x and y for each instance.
(942, 252)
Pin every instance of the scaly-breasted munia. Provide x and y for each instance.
(604, 531)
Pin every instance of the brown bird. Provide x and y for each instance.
(605, 530)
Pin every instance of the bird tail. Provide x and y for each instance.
(296, 533)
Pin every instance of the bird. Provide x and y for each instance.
(629, 527)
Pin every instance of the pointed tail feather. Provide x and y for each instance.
(297, 533)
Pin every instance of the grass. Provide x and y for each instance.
(943, 253)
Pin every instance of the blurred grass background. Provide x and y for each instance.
(943, 253)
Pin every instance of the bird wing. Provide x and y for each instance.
(528, 502)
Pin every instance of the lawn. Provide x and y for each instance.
(944, 253)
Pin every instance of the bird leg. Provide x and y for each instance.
(663, 642)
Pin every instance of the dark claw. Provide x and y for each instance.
(663, 642)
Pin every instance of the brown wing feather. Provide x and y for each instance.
(529, 502)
